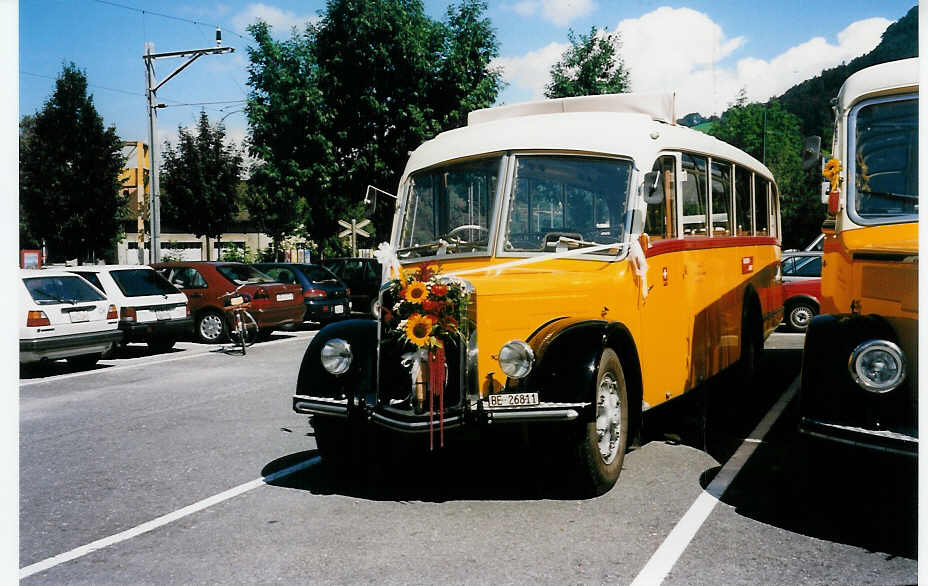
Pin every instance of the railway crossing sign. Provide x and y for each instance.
(352, 231)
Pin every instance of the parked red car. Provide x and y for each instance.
(273, 305)
(802, 288)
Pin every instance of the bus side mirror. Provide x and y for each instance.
(811, 151)
(652, 190)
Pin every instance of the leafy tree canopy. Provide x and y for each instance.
(200, 179)
(69, 166)
(339, 106)
(590, 66)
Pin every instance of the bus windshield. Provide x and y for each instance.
(448, 209)
(885, 164)
(564, 202)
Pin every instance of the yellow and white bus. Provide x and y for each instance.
(569, 262)
(859, 373)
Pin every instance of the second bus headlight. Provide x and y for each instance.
(516, 358)
(877, 366)
(336, 356)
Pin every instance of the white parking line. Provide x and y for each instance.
(666, 556)
(137, 362)
(163, 520)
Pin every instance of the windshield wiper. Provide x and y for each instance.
(55, 297)
(902, 196)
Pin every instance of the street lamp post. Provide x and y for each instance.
(153, 86)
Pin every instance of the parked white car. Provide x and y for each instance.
(151, 309)
(64, 316)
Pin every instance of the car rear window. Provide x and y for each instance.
(93, 278)
(318, 274)
(139, 282)
(242, 274)
(54, 290)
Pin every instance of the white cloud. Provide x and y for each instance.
(532, 70)
(281, 21)
(680, 50)
(559, 12)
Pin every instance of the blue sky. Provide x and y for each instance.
(705, 51)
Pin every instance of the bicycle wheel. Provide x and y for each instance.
(249, 328)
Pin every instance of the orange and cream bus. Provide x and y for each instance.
(564, 265)
(859, 373)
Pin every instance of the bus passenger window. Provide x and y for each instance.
(761, 207)
(743, 214)
(660, 221)
(694, 195)
(721, 198)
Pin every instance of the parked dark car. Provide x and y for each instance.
(324, 295)
(802, 288)
(274, 305)
(362, 275)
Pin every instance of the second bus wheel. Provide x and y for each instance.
(601, 444)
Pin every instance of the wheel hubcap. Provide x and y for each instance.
(801, 317)
(211, 327)
(608, 422)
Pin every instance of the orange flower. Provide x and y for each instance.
(431, 306)
(419, 328)
(415, 292)
(439, 290)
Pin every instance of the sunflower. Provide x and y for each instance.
(419, 328)
(415, 292)
(832, 172)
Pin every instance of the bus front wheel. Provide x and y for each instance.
(601, 444)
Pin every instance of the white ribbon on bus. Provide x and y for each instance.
(387, 256)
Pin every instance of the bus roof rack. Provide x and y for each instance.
(659, 106)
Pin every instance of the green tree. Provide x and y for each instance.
(339, 106)
(590, 66)
(771, 135)
(200, 179)
(68, 175)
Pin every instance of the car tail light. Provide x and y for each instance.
(127, 314)
(261, 293)
(187, 307)
(348, 291)
(37, 318)
(111, 312)
(314, 294)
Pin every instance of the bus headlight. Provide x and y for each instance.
(516, 359)
(877, 366)
(336, 356)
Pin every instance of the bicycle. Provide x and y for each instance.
(243, 329)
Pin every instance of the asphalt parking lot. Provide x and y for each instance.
(189, 466)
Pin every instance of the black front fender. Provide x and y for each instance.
(316, 381)
(567, 353)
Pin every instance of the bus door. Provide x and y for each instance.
(664, 314)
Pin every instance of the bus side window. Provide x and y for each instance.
(660, 222)
(761, 206)
(743, 212)
(694, 195)
(721, 198)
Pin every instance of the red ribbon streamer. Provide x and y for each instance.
(437, 388)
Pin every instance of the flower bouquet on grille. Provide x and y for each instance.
(428, 310)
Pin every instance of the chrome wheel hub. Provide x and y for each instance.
(801, 316)
(211, 327)
(608, 417)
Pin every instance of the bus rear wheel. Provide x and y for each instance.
(601, 444)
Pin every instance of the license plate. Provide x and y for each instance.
(163, 314)
(513, 400)
(79, 316)
(339, 309)
(236, 301)
(284, 296)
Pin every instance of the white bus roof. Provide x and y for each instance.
(658, 106)
(886, 78)
(589, 124)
